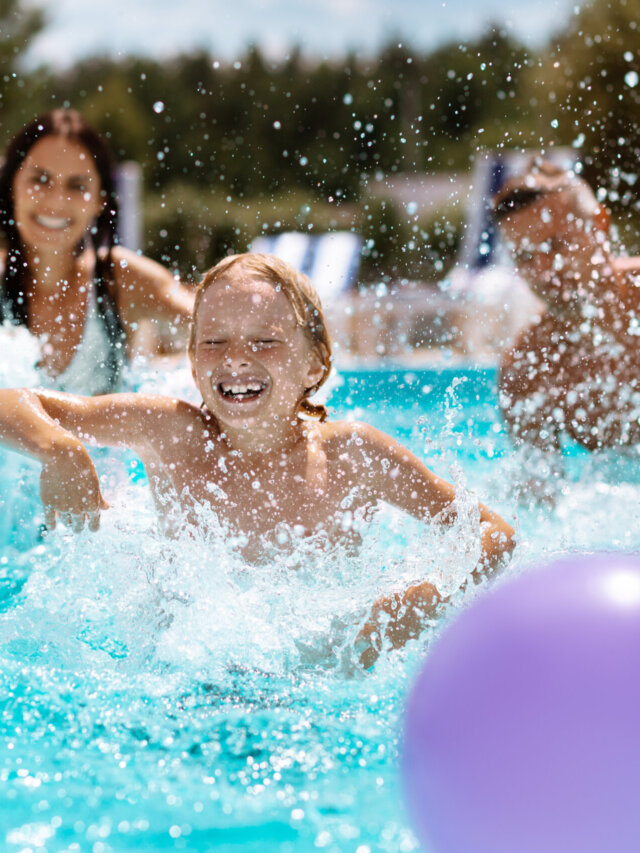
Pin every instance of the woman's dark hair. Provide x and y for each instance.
(70, 125)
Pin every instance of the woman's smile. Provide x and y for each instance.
(52, 223)
(56, 193)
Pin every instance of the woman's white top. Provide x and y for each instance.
(90, 371)
(94, 367)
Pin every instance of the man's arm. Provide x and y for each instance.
(531, 389)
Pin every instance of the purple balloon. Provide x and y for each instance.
(522, 732)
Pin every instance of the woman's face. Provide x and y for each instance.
(57, 194)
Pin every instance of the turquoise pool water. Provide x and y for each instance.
(160, 695)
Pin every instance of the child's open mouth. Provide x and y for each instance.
(241, 391)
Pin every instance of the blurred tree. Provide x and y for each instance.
(19, 24)
(588, 93)
(230, 149)
(471, 96)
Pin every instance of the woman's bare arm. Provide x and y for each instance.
(146, 291)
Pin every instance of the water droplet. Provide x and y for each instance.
(158, 107)
(631, 79)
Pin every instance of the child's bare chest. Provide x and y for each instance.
(304, 492)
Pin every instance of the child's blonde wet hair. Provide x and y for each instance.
(303, 298)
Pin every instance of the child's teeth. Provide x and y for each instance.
(245, 388)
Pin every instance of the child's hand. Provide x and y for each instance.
(70, 489)
(397, 618)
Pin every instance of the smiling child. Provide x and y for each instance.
(257, 450)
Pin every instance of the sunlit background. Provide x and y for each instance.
(259, 117)
(326, 28)
(158, 695)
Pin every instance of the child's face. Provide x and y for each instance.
(252, 361)
(56, 193)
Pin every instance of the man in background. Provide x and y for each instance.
(575, 370)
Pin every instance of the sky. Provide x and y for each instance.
(160, 28)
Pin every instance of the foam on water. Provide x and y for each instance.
(165, 683)
(21, 353)
(190, 601)
(160, 693)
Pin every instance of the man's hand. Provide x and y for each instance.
(70, 489)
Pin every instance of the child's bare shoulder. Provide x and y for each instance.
(143, 419)
(354, 437)
(161, 410)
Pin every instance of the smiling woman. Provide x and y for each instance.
(63, 275)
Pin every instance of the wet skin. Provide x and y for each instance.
(246, 453)
(57, 196)
(576, 369)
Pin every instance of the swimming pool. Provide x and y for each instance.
(158, 695)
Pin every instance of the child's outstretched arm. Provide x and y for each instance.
(69, 485)
(51, 427)
(394, 475)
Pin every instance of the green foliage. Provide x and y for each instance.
(189, 230)
(19, 24)
(588, 93)
(256, 126)
(233, 149)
